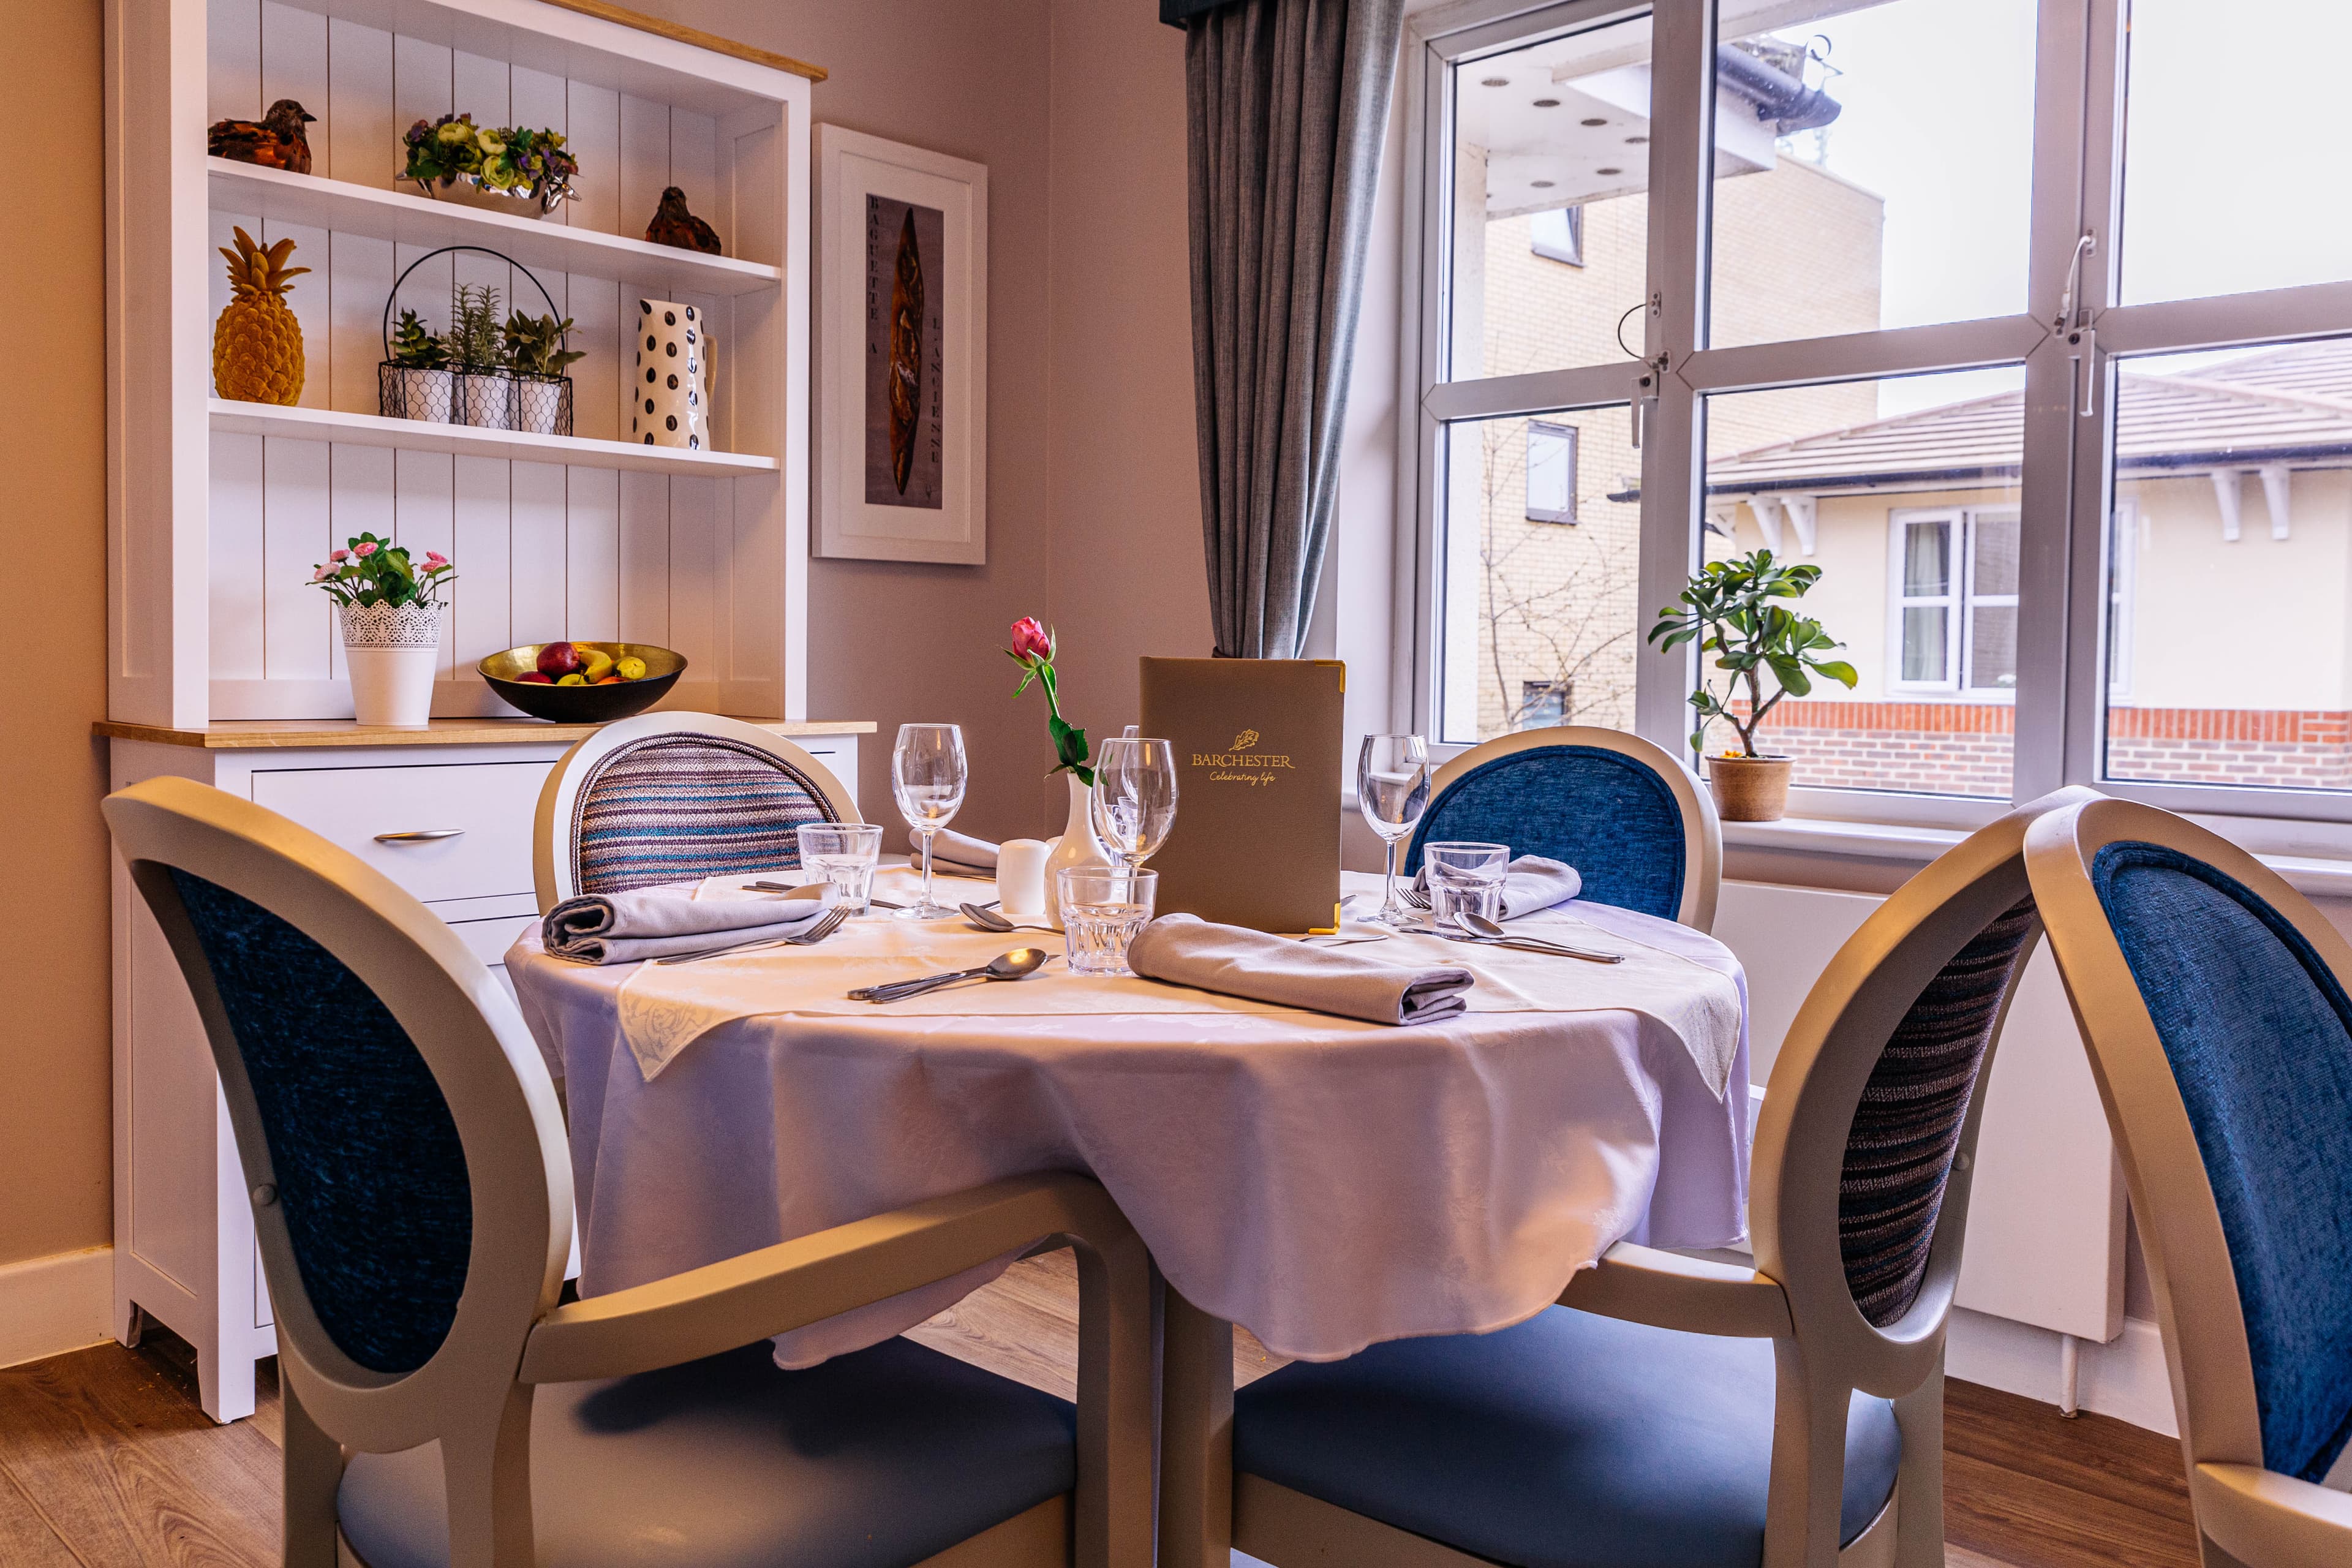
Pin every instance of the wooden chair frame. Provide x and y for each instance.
(1702, 831)
(555, 860)
(2245, 1513)
(1796, 1295)
(474, 1395)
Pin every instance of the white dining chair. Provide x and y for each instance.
(1672, 1412)
(411, 1189)
(1637, 827)
(671, 797)
(2212, 997)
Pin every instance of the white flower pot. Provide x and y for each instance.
(1077, 846)
(669, 401)
(394, 655)
(485, 402)
(424, 394)
(539, 405)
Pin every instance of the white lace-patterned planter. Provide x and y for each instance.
(394, 654)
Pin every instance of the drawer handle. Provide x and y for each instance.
(420, 836)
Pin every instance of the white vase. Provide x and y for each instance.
(486, 400)
(1077, 846)
(394, 655)
(418, 391)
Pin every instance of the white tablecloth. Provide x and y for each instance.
(1324, 1183)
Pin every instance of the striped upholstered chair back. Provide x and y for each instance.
(672, 798)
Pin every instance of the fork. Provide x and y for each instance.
(826, 926)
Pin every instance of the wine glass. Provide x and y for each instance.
(1392, 792)
(926, 779)
(1134, 802)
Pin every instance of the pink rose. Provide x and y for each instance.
(434, 558)
(1031, 642)
(322, 574)
(364, 550)
(339, 555)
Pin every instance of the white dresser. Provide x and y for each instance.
(445, 812)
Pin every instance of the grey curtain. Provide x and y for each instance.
(1288, 104)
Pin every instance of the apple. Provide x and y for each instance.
(574, 678)
(558, 659)
(533, 678)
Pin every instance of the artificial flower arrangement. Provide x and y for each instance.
(505, 160)
(368, 572)
(1032, 650)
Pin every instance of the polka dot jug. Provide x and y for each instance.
(669, 403)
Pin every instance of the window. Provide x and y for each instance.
(1558, 235)
(2096, 529)
(1552, 472)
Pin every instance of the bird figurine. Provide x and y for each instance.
(673, 225)
(274, 140)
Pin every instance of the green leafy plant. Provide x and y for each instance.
(414, 348)
(368, 571)
(1730, 609)
(511, 159)
(535, 345)
(473, 338)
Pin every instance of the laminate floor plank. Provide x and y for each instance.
(26, 1540)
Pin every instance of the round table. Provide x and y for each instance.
(1325, 1183)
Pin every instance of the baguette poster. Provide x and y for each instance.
(1258, 744)
(905, 327)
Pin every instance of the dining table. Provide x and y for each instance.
(1324, 1182)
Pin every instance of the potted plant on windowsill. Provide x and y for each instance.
(1730, 609)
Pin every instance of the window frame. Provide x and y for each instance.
(2066, 490)
(1900, 520)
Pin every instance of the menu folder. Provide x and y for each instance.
(1259, 773)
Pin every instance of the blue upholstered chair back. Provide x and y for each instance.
(1908, 1127)
(678, 807)
(1602, 812)
(2258, 1033)
(370, 1174)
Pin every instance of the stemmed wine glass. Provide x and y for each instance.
(927, 778)
(1134, 803)
(1392, 792)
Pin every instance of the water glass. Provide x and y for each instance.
(926, 779)
(1392, 780)
(1103, 908)
(1134, 800)
(845, 854)
(1465, 879)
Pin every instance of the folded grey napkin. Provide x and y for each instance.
(1529, 883)
(953, 851)
(1185, 950)
(656, 922)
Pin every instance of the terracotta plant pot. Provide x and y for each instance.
(1750, 789)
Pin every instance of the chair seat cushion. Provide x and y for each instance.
(1570, 1441)
(878, 1460)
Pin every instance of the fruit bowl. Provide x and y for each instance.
(584, 704)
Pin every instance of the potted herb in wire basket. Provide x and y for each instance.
(485, 390)
(536, 354)
(421, 383)
(483, 373)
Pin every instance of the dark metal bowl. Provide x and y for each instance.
(584, 704)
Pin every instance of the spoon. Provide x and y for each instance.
(989, 920)
(1479, 926)
(1014, 965)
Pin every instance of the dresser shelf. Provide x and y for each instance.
(542, 244)
(231, 418)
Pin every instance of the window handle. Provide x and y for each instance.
(2085, 357)
(420, 836)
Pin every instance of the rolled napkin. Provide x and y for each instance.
(1185, 950)
(657, 922)
(953, 851)
(1530, 883)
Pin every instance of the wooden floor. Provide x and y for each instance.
(106, 1462)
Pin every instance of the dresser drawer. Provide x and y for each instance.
(482, 812)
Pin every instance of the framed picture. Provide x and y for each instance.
(901, 353)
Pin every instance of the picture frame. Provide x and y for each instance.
(901, 353)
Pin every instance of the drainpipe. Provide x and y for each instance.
(1780, 99)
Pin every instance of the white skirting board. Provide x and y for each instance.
(2124, 1378)
(51, 1305)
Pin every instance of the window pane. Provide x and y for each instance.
(2230, 553)
(1993, 556)
(2232, 127)
(1551, 473)
(1872, 165)
(1540, 624)
(1838, 476)
(1558, 126)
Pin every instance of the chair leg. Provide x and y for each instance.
(1809, 1418)
(1919, 1485)
(1196, 1461)
(486, 1476)
(314, 1474)
(1113, 1517)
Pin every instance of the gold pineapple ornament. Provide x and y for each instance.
(257, 343)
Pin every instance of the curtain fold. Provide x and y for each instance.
(1288, 104)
